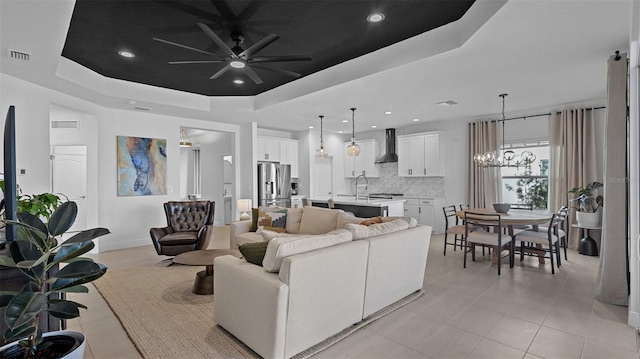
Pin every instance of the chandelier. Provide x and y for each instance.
(353, 149)
(508, 158)
(321, 152)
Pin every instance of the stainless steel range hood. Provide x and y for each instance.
(390, 156)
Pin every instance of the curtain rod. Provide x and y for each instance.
(542, 114)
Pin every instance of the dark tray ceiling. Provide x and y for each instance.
(331, 32)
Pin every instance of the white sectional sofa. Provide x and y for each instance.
(320, 292)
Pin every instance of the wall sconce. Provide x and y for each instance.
(185, 141)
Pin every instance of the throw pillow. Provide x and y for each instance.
(253, 252)
(294, 215)
(272, 217)
(254, 219)
(316, 220)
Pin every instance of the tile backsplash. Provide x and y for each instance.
(389, 182)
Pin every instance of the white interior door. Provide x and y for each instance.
(323, 184)
(69, 177)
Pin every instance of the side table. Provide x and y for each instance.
(203, 283)
(588, 245)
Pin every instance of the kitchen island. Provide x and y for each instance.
(364, 207)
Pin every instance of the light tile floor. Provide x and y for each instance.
(465, 313)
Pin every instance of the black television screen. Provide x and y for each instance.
(10, 186)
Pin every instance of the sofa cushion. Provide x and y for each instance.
(268, 235)
(179, 238)
(272, 217)
(294, 215)
(316, 220)
(255, 213)
(412, 221)
(281, 247)
(344, 218)
(360, 231)
(253, 252)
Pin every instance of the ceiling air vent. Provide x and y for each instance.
(140, 108)
(18, 55)
(64, 124)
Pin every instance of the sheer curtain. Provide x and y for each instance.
(485, 184)
(572, 163)
(611, 284)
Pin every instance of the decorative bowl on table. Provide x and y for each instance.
(502, 207)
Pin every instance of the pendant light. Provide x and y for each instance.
(508, 158)
(321, 152)
(353, 149)
(185, 141)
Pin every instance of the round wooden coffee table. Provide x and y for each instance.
(204, 279)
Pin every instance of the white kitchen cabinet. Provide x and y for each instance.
(281, 150)
(268, 149)
(289, 155)
(363, 164)
(427, 211)
(420, 155)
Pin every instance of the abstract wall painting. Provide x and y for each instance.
(142, 166)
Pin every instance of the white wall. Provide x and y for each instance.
(128, 218)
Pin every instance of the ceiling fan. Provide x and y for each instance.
(237, 57)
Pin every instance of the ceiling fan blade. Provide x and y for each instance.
(279, 58)
(253, 75)
(220, 73)
(185, 47)
(192, 10)
(196, 62)
(275, 69)
(217, 40)
(264, 42)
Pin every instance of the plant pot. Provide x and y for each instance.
(66, 343)
(589, 219)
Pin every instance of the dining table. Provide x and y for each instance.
(514, 219)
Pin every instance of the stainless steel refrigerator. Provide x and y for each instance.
(274, 184)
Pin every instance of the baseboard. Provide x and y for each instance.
(634, 319)
(107, 245)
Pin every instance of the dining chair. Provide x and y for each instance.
(456, 229)
(562, 214)
(494, 238)
(532, 242)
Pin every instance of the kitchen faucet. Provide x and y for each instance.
(366, 184)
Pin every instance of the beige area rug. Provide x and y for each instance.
(165, 320)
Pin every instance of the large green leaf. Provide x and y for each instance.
(76, 289)
(31, 234)
(64, 310)
(7, 262)
(87, 235)
(24, 251)
(6, 296)
(30, 287)
(69, 252)
(63, 283)
(23, 308)
(62, 218)
(78, 270)
(18, 333)
(32, 221)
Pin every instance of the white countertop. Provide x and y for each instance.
(351, 200)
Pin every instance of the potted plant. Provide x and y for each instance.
(42, 204)
(588, 204)
(35, 251)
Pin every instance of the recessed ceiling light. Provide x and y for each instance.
(345, 121)
(447, 103)
(375, 17)
(387, 113)
(310, 126)
(126, 54)
(237, 64)
(374, 126)
(340, 131)
(416, 119)
(238, 81)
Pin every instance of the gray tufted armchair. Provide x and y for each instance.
(189, 224)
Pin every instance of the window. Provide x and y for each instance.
(527, 185)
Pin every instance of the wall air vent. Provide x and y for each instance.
(18, 55)
(140, 108)
(64, 124)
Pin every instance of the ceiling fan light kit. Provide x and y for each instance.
(237, 57)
